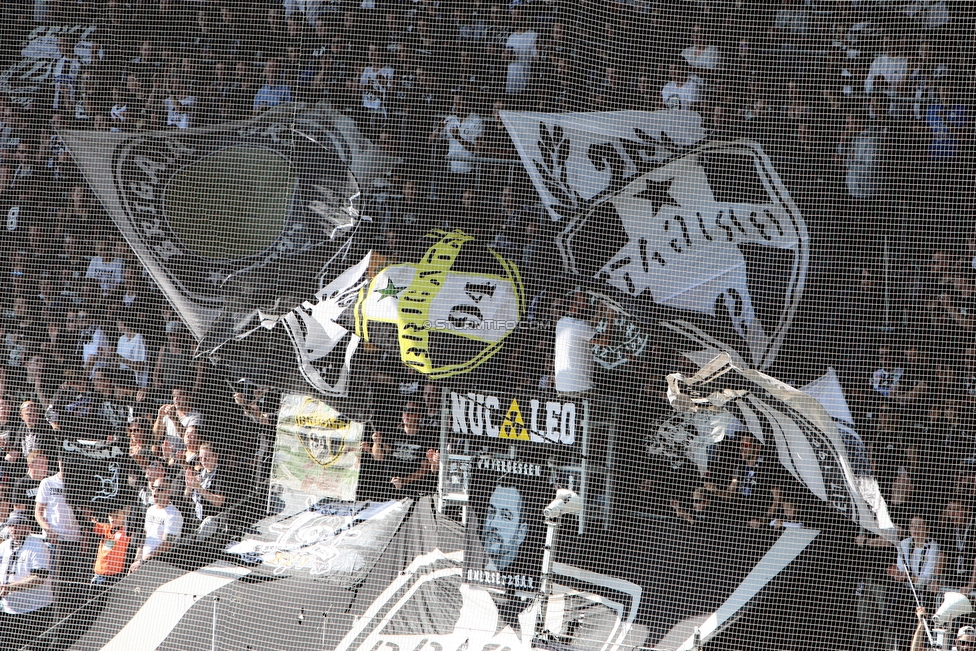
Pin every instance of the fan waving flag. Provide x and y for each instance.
(807, 441)
(224, 216)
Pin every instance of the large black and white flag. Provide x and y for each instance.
(656, 214)
(808, 442)
(231, 218)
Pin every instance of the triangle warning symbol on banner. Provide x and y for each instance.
(513, 427)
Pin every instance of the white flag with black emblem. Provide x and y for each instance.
(658, 214)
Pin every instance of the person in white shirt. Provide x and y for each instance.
(66, 72)
(375, 80)
(173, 419)
(522, 51)
(573, 361)
(917, 562)
(462, 130)
(66, 538)
(890, 67)
(104, 269)
(26, 596)
(700, 55)
(164, 524)
(180, 105)
(53, 513)
(682, 92)
(131, 349)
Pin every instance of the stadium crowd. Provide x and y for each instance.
(865, 108)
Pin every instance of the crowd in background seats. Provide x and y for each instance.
(864, 107)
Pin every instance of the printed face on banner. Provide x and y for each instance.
(656, 215)
(505, 524)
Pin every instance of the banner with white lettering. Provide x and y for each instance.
(505, 523)
(657, 217)
(227, 219)
(514, 418)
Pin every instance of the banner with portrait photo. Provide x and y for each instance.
(505, 528)
(316, 452)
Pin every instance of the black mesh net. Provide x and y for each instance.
(436, 325)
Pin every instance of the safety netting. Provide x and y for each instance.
(450, 325)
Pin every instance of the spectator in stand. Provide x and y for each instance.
(411, 458)
(609, 92)
(522, 53)
(957, 560)
(410, 212)
(113, 546)
(682, 92)
(913, 389)
(175, 364)
(105, 267)
(703, 57)
(25, 592)
(173, 419)
(23, 496)
(131, 351)
(180, 105)
(209, 487)
(65, 534)
(917, 558)
(375, 81)
(891, 65)
(33, 433)
(959, 306)
(755, 490)
(462, 130)
(885, 378)
(561, 92)
(164, 524)
(275, 90)
(948, 120)
(508, 219)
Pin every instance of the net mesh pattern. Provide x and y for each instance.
(450, 324)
